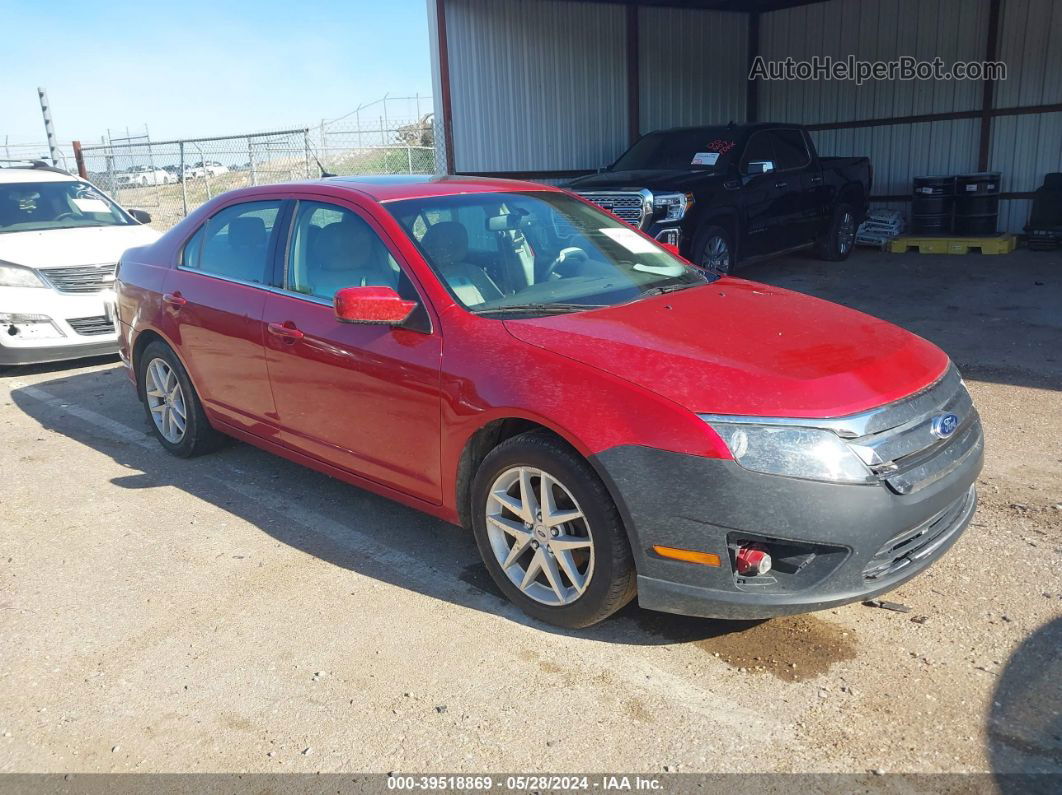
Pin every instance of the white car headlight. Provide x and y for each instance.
(672, 206)
(17, 276)
(793, 451)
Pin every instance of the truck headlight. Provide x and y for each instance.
(793, 451)
(672, 206)
(16, 276)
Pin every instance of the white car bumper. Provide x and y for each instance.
(43, 325)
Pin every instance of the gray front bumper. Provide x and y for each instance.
(703, 504)
(55, 353)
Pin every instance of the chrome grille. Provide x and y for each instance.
(81, 278)
(898, 444)
(92, 326)
(633, 207)
(916, 544)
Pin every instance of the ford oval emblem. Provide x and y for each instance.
(944, 425)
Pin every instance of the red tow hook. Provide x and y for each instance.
(752, 560)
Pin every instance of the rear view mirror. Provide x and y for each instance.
(140, 216)
(379, 306)
(508, 221)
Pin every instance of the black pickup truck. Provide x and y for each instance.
(730, 194)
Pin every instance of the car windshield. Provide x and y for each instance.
(701, 148)
(33, 206)
(538, 253)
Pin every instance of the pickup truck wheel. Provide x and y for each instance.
(713, 250)
(549, 533)
(172, 405)
(840, 238)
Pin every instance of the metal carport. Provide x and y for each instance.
(551, 89)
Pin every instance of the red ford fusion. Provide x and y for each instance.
(608, 420)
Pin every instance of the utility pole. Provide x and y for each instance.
(49, 130)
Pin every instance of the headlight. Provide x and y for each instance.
(17, 276)
(793, 451)
(672, 206)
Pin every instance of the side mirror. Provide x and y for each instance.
(759, 167)
(378, 306)
(140, 216)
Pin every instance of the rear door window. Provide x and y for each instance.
(235, 243)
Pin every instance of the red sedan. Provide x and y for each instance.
(607, 419)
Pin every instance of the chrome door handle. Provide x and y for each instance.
(174, 299)
(781, 184)
(285, 332)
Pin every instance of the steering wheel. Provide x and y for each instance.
(570, 254)
(61, 216)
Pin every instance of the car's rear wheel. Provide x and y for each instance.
(839, 240)
(172, 405)
(549, 533)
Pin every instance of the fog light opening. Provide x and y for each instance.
(752, 560)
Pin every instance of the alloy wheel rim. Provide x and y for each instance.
(540, 536)
(717, 254)
(165, 400)
(846, 233)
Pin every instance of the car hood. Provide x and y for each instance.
(738, 347)
(654, 180)
(86, 245)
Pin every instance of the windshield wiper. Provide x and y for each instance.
(670, 288)
(550, 308)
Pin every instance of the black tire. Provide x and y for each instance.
(706, 252)
(837, 244)
(199, 436)
(612, 583)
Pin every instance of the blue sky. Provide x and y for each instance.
(190, 67)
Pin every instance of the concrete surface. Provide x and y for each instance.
(238, 613)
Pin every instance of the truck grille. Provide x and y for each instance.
(81, 278)
(913, 546)
(633, 207)
(92, 326)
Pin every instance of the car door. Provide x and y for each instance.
(215, 298)
(803, 180)
(763, 198)
(365, 398)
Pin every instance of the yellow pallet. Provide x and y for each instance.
(1000, 244)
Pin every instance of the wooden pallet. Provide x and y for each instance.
(1000, 244)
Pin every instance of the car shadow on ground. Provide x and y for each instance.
(1024, 728)
(996, 316)
(323, 517)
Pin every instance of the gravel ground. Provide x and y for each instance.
(239, 613)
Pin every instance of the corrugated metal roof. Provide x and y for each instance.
(883, 30)
(692, 66)
(1030, 44)
(536, 86)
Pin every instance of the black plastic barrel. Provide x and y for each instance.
(977, 204)
(932, 205)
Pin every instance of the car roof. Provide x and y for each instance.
(10, 175)
(417, 186)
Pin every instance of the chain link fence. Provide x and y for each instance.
(169, 179)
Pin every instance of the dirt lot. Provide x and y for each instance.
(238, 613)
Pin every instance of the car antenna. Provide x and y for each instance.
(320, 168)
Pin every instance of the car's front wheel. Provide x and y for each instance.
(172, 405)
(549, 533)
(713, 250)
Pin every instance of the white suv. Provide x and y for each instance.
(60, 241)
